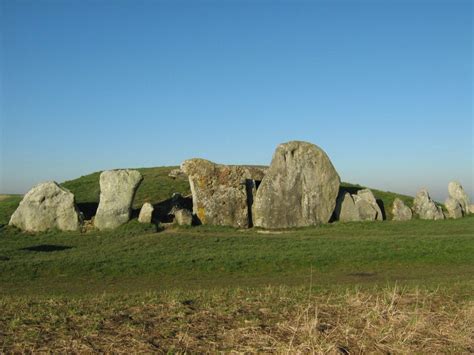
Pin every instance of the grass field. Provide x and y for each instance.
(389, 287)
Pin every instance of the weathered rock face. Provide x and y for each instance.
(146, 213)
(425, 207)
(183, 217)
(47, 206)
(454, 208)
(346, 210)
(471, 208)
(457, 192)
(400, 211)
(117, 191)
(369, 210)
(222, 194)
(299, 189)
(358, 207)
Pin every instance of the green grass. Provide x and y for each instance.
(137, 257)
(157, 186)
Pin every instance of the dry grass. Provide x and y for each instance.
(282, 320)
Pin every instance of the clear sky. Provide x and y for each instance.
(384, 87)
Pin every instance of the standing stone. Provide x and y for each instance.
(183, 217)
(454, 208)
(117, 191)
(425, 207)
(457, 192)
(222, 194)
(400, 211)
(47, 206)
(369, 210)
(471, 209)
(346, 210)
(146, 213)
(299, 189)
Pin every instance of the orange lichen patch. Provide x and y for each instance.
(201, 213)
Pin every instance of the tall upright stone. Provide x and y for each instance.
(299, 189)
(47, 206)
(425, 207)
(117, 191)
(222, 194)
(457, 193)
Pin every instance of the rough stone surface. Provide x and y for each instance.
(299, 189)
(146, 213)
(47, 206)
(425, 207)
(369, 210)
(400, 211)
(457, 192)
(471, 208)
(454, 208)
(346, 210)
(117, 191)
(222, 194)
(183, 217)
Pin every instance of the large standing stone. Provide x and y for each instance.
(299, 189)
(222, 194)
(47, 206)
(146, 213)
(454, 208)
(400, 211)
(457, 192)
(471, 209)
(117, 191)
(425, 207)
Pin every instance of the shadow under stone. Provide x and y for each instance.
(47, 248)
(88, 209)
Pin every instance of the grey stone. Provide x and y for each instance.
(183, 217)
(299, 189)
(146, 213)
(425, 207)
(47, 206)
(222, 194)
(454, 208)
(457, 192)
(346, 210)
(400, 211)
(363, 200)
(117, 191)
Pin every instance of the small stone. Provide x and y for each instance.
(454, 208)
(146, 213)
(346, 209)
(183, 217)
(400, 211)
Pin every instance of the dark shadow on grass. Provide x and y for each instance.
(47, 248)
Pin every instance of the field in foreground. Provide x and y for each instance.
(357, 287)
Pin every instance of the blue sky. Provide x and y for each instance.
(384, 87)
